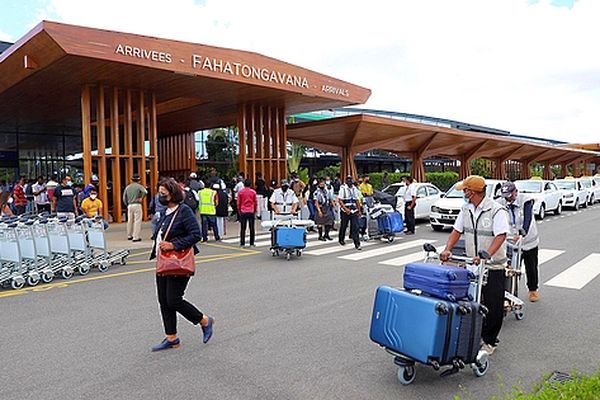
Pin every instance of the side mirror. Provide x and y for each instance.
(442, 195)
(420, 196)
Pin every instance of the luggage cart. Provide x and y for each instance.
(96, 242)
(512, 302)
(11, 267)
(372, 229)
(288, 235)
(480, 364)
(38, 270)
(59, 251)
(78, 247)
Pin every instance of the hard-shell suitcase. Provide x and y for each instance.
(391, 223)
(290, 237)
(426, 329)
(441, 281)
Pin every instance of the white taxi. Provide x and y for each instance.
(427, 194)
(445, 210)
(592, 189)
(546, 195)
(573, 194)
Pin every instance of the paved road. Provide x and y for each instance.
(285, 330)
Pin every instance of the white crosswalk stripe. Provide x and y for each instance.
(545, 255)
(336, 247)
(256, 237)
(579, 274)
(409, 258)
(385, 250)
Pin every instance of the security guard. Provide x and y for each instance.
(520, 214)
(208, 212)
(484, 225)
(283, 200)
(350, 206)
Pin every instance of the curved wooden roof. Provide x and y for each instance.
(196, 86)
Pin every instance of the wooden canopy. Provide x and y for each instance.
(359, 133)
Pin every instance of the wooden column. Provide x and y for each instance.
(101, 135)
(524, 169)
(465, 168)
(242, 137)
(153, 137)
(417, 168)
(576, 168)
(86, 132)
(116, 160)
(499, 168)
(548, 170)
(128, 140)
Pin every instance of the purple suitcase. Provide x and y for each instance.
(441, 281)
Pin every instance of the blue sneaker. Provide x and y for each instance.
(166, 344)
(208, 330)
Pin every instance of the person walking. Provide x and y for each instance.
(484, 225)
(157, 210)
(208, 213)
(520, 215)
(349, 201)
(222, 208)
(323, 200)
(410, 201)
(40, 193)
(177, 231)
(133, 196)
(20, 199)
(65, 199)
(194, 183)
(247, 207)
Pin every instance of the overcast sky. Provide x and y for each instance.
(530, 67)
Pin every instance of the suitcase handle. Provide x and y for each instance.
(451, 275)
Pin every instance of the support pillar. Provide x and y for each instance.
(465, 168)
(548, 170)
(348, 166)
(499, 168)
(524, 170)
(576, 169)
(418, 169)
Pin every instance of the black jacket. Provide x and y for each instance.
(185, 232)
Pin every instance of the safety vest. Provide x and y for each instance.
(479, 233)
(516, 219)
(207, 202)
(349, 196)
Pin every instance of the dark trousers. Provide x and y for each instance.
(246, 219)
(209, 220)
(20, 209)
(409, 217)
(530, 258)
(353, 219)
(170, 297)
(493, 299)
(43, 207)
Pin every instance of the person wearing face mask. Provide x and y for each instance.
(133, 196)
(92, 206)
(65, 201)
(484, 224)
(350, 205)
(323, 201)
(284, 201)
(366, 188)
(410, 201)
(298, 187)
(335, 211)
(520, 214)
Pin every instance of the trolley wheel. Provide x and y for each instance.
(299, 253)
(84, 269)
(66, 274)
(17, 284)
(33, 280)
(481, 370)
(519, 315)
(47, 278)
(407, 374)
(123, 261)
(390, 239)
(103, 266)
(288, 256)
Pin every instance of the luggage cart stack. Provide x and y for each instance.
(512, 302)
(97, 246)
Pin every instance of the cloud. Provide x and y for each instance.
(530, 68)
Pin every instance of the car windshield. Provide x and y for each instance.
(454, 193)
(395, 190)
(585, 183)
(529, 186)
(565, 185)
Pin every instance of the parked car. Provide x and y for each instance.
(545, 193)
(592, 189)
(573, 194)
(446, 209)
(427, 194)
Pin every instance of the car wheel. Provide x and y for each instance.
(576, 205)
(558, 209)
(585, 203)
(542, 213)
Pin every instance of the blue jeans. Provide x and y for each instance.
(210, 220)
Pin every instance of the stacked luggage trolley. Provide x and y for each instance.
(382, 222)
(288, 235)
(436, 319)
(38, 248)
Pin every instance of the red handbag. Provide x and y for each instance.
(175, 262)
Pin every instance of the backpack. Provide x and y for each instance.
(191, 199)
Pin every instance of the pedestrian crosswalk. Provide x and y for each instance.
(407, 249)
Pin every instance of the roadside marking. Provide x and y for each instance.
(579, 274)
(334, 249)
(385, 250)
(237, 239)
(64, 283)
(235, 248)
(545, 255)
(409, 258)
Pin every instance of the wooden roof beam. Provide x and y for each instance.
(382, 144)
(469, 154)
(421, 150)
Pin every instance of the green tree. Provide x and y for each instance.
(295, 153)
(481, 167)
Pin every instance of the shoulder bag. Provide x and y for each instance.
(175, 262)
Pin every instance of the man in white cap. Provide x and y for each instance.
(520, 214)
(194, 184)
(484, 226)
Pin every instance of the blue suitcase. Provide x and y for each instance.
(426, 329)
(290, 237)
(441, 281)
(391, 223)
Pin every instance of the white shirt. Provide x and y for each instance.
(238, 186)
(41, 198)
(411, 191)
(284, 201)
(500, 223)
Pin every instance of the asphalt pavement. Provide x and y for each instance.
(295, 329)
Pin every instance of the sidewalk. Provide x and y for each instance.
(116, 235)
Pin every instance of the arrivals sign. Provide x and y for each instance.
(228, 67)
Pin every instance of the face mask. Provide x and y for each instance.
(349, 183)
(465, 198)
(328, 183)
(162, 199)
(69, 183)
(93, 196)
(322, 187)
